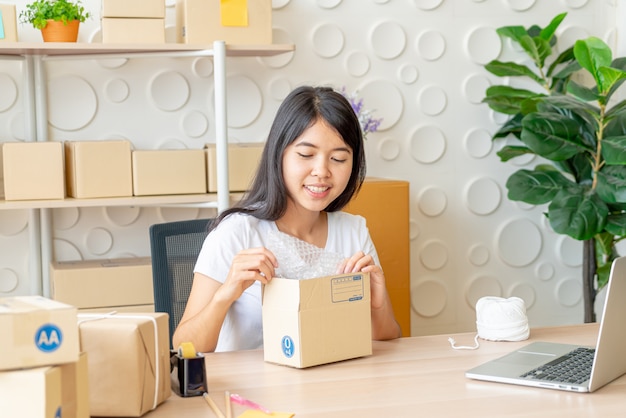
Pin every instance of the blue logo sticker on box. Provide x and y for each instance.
(287, 346)
(48, 338)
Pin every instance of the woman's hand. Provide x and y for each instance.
(248, 266)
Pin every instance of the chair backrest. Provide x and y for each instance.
(174, 248)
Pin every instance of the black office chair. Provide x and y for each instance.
(174, 247)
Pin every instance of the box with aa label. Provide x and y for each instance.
(316, 321)
(163, 172)
(37, 331)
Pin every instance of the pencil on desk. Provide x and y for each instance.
(229, 410)
(214, 407)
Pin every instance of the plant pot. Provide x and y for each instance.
(57, 31)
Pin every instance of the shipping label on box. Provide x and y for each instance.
(33, 170)
(128, 362)
(98, 169)
(8, 23)
(134, 8)
(163, 172)
(317, 321)
(235, 23)
(103, 283)
(32, 393)
(37, 331)
(132, 30)
(243, 161)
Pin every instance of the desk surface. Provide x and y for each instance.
(408, 377)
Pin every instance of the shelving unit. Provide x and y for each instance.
(36, 114)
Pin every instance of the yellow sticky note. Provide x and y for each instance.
(234, 12)
(251, 413)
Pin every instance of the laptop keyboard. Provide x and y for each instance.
(573, 367)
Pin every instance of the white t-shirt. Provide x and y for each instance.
(242, 327)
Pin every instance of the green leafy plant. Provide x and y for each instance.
(571, 119)
(39, 12)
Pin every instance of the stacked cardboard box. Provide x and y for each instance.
(133, 21)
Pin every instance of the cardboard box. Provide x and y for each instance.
(243, 161)
(162, 172)
(132, 30)
(103, 283)
(32, 393)
(36, 331)
(8, 23)
(317, 321)
(33, 170)
(98, 169)
(390, 234)
(154, 9)
(119, 309)
(202, 22)
(75, 388)
(128, 362)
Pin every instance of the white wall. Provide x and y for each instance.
(417, 62)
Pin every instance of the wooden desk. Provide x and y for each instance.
(408, 377)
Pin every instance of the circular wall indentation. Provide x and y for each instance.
(525, 292)
(480, 287)
(328, 40)
(194, 124)
(65, 251)
(474, 88)
(244, 101)
(575, 4)
(99, 241)
(202, 67)
(116, 90)
(385, 100)
(478, 143)
(427, 4)
(544, 271)
(408, 73)
(169, 91)
(483, 196)
(414, 230)
(569, 36)
(72, 103)
(509, 238)
(428, 298)
(65, 218)
(9, 92)
(431, 45)
(279, 89)
(357, 64)
(328, 4)
(434, 255)
(177, 214)
(8, 280)
(483, 45)
(111, 63)
(521, 5)
(389, 149)
(427, 144)
(122, 216)
(171, 143)
(570, 251)
(432, 100)
(279, 4)
(478, 255)
(279, 36)
(388, 40)
(569, 292)
(432, 201)
(13, 221)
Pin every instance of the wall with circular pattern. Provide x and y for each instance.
(418, 64)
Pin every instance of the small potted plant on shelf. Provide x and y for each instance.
(58, 20)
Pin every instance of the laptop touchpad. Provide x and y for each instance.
(526, 358)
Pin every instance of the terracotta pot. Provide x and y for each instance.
(60, 32)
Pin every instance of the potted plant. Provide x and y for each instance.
(58, 20)
(574, 123)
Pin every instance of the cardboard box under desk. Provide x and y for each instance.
(243, 161)
(124, 30)
(134, 8)
(98, 169)
(37, 331)
(8, 23)
(235, 23)
(103, 283)
(163, 172)
(33, 170)
(128, 362)
(316, 321)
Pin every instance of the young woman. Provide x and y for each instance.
(312, 165)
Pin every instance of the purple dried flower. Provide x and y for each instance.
(368, 123)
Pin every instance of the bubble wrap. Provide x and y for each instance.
(299, 260)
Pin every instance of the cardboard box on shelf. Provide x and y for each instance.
(128, 362)
(317, 321)
(154, 9)
(33, 170)
(162, 172)
(37, 331)
(8, 23)
(132, 30)
(243, 161)
(103, 283)
(98, 169)
(237, 23)
(32, 393)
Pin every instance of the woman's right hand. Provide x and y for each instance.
(248, 266)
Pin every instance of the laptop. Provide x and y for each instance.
(534, 364)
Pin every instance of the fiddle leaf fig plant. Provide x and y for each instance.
(573, 121)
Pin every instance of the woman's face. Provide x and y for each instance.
(316, 167)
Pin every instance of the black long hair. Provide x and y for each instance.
(267, 198)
